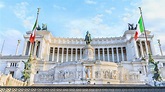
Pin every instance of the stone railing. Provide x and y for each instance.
(8, 80)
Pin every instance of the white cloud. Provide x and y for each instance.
(153, 9)
(109, 11)
(90, 2)
(21, 11)
(59, 7)
(2, 5)
(11, 37)
(97, 19)
(153, 12)
(95, 26)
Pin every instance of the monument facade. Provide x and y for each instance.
(111, 60)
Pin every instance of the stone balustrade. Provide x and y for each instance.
(8, 80)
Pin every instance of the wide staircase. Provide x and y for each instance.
(83, 88)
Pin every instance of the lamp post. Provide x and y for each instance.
(160, 47)
(17, 47)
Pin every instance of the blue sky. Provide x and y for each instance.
(72, 18)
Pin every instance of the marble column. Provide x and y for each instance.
(49, 58)
(41, 49)
(141, 48)
(30, 48)
(35, 48)
(58, 53)
(67, 54)
(53, 54)
(47, 50)
(76, 55)
(122, 54)
(117, 54)
(98, 53)
(146, 46)
(80, 53)
(62, 57)
(94, 54)
(71, 54)
(103, 54)
(135, 49)
(113, 55)
(108, 53)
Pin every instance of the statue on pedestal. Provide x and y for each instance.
(88, 38)
(88, 72)
(88, 50)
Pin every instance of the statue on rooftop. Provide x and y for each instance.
(88, 38)
(131, 26)
(38, 28)
(44, 26)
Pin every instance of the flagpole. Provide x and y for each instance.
(31, 52)
(2, 46)
(144, 28)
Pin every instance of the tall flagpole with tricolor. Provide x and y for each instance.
(141, 28)
(27, 72)
(33, 34)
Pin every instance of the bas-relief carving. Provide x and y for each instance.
(79, 75)
(62, 75)
(125, 77)
(114, 76)
(44, 77)
(106, 74)
(97, 74)
(134, 77)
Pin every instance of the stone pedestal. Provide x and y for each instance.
(88, 53)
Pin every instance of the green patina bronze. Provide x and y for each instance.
(156, 76)
(44, 27)
(27, 69)
(88, 38)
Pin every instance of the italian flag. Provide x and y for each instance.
(140, 28)
(32, 35)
